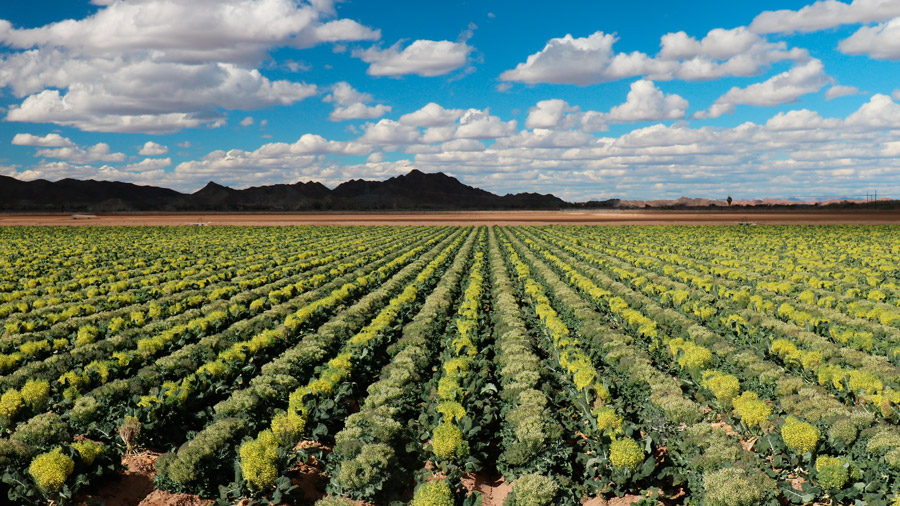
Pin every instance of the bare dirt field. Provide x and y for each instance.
(601, 217)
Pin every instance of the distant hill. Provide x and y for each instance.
(413, 191)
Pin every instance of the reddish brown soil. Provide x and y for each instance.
(493, 489)
(594, 217)
(615, 501)
(134, 487)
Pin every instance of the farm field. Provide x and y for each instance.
(452, 365)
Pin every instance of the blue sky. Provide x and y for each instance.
(586, 100)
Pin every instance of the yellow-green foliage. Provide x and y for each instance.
(724, 386)
(831, 472)
(883, 440)
(864, 382)
(448, 388)
(258, 460)
(34, 347)
(433, 493)
(35, 393)
(608, 421)
(800, 437)
(691, 356)
(730, 487)
(51, 470)
(86, 335)
(753, 412)
(88, 450)
(451, 410)
(360, 471)
(534, 490)
(334, 501)
(843, 430)
(288, 428)
(625, 454)
(10, 403)
(448, 441)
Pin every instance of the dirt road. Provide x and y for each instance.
(600, 217)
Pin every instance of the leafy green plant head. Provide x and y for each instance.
(626, 454)
(11, 403)
(800, 437)
(288, 428)
(334, 501)
(84, 411)
(608, 420)
(51, 470)
(724, 386)
(892, 457)
(532, 490)
(731, 487)
(433, 493)
(448, 442)
(753, 412)
(88, 450)
(843, 430)
(43, 430)
(452, 410)
(258, 460)
(363, 470)
(35, 393)
(831, 472)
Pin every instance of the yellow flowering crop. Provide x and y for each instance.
(831, 472)
(752, 411)
(433, 493)
(448, 441)
(88, 450)
(626, 454)
(800, 437)
(51, 470)
(258, 460)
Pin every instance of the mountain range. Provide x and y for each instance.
(416, 191)
(413, 191)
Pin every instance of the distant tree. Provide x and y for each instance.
(728, 200)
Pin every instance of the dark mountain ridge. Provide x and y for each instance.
(413, 191)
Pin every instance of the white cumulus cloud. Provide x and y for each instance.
(47, 141)
(148, 164)
(478, 124)
(838, 90)
(165, 65)
(783, 88)
(390, 132)
(431, 115)
(553, 113)
(151, 148)
(881, 41)
(592, 59)
(825, 14)
(646, 102)
(351, 104)
(879, 113)
(99, 152)
(426, 58)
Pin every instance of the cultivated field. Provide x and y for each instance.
(444, 365)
